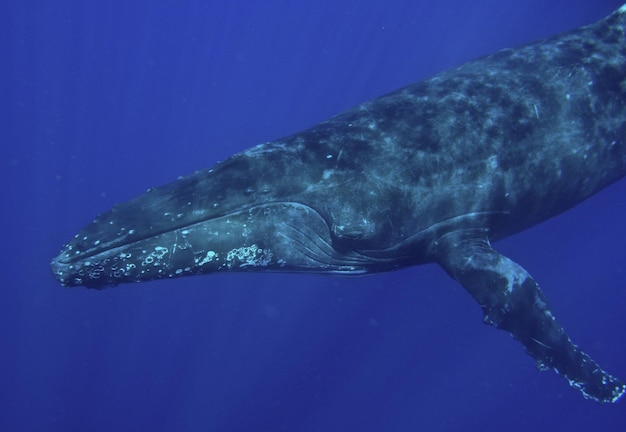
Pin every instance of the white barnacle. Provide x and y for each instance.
(248, 256)
(159, 252)
(210, 256)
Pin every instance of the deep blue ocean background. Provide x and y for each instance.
(101, 100)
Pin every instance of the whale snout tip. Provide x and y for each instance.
(64, 271)
(77, 271)
(61, 271)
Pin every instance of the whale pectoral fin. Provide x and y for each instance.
(511, 300)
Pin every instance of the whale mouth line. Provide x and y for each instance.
(242, 237)
(72, 253)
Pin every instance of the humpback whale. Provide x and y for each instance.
(431, 173)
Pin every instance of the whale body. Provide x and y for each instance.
(433, 172)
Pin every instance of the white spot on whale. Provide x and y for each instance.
(155, 257)
(210, 256)
(248, 256)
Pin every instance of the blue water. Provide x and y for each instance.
(101, 100)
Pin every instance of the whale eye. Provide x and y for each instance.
(357, 230)
(360, 234)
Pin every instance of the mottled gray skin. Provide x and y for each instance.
(430, 173)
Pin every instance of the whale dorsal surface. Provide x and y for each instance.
(433, 172)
